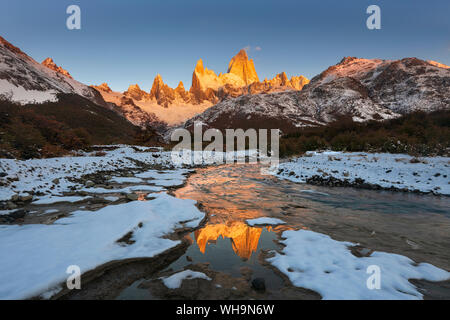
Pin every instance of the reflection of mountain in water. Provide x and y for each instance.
(244, 239)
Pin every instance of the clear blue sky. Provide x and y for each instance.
(125, 42)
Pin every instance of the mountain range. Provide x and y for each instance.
(174, 106)
(365, 89)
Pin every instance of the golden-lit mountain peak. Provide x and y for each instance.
(49, 63)
(180, 86)
(134, 87)
(199, 68)
(135, 92)
(241, 78)
(244, 68)
(103, 87)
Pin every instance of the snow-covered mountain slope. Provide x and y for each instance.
(365, 89)
(402, 86)
(271, 111)
(39, 98)
(49, 90)
(24, 81)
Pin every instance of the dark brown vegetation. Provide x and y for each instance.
(53, 128)
(418, 133)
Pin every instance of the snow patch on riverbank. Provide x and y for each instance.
(315, 261)
(123, 190)
(36, 256)
(126, 180)
(53, 199)
(428, 174)
(264, 221)
(175, 280)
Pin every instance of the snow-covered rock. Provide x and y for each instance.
(399, 171)
(175, 280)
(264, 221)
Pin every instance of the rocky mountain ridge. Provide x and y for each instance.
(207, 89)
(49, 63)
(23, 80)
(365, 89)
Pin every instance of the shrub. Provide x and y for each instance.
(417, 133)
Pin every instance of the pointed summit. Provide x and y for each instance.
(181, 92)
(284, 79)
(242, 54)
(134, 87)
(135, 92)
(161, 92)
(240, 78)
(199, 67)
(157, 86)
(103, 87)
(180, 86)
(243, 68)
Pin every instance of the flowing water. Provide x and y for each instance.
(417, 226)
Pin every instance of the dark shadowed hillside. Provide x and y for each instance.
(417, 133)
(49, 129)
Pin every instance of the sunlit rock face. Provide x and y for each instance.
(437, 64)
(244, 68)
(135, 92)
(278, 84)
(299, 82)
(49, 63)
(103, 87)
(241, 79)
(161, 92)
(244, 239)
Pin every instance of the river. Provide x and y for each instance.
(417, 226)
